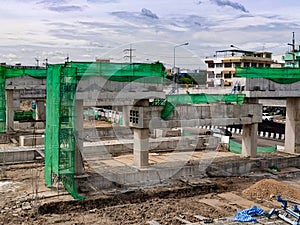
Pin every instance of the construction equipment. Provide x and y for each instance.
(291, 216)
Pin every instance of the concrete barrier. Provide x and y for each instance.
(17, 156)
(31, 140)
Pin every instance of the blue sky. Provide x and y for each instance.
(89, 29)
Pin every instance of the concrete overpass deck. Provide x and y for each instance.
(188, 164)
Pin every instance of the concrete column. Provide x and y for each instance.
(79, 138)
(40, 109)
(141, 147)
(125, 115)
(292, 125)
(249, 140)
(249, 136)
(9, 110)
(141, 141)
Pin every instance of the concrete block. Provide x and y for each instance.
(4, 138)
(31, 140)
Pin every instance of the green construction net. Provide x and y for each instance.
(278, 75)
(173, 100)
(237, 148)
(62, 80)
(122, 72)
(11, 72)
(61, 116)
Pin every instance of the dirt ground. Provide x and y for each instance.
(26, 200)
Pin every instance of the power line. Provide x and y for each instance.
(130, 56)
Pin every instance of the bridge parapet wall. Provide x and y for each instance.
(195, 115)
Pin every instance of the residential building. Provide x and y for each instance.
(292, 59)
(221, 67)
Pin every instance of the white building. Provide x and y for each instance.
(221, 68)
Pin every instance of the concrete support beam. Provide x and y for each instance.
(40, 109)
(292, 125)
(249, 136)
(79, 138)
(141, 147)
(141, 141)
(249, 140)
(125, 115)
(9, 110)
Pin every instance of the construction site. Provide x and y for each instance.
(104, 143)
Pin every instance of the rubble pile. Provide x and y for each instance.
(268, 189)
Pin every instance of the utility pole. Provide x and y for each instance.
(293, 48)
(130, 56)
(37, 62)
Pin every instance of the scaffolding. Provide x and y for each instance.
(62, 80)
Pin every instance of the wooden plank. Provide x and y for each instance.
(241, 202)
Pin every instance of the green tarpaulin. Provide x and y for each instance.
(237, 148)
(278, 75)
(173, 100)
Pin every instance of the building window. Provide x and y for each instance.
(227, 75)
(218, 75)
(210, 74)
(228, 65)
(254, 64)
(268, 65)
(211, 65)
(238, 64)
(246, 64)
(219, 65)
(260, 65)
(268, 55)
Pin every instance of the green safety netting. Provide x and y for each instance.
(122, 72)
(173, 100)
(61, 116)
(278, 75)
(11, 72)
(62, 80)
(237, 148)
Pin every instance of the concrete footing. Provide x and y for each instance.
(19, 155)
(125, 175)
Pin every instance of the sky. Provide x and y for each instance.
(83, 30)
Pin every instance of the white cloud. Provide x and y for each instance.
(85, 29)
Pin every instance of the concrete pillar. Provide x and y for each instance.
(249, 136)
(40, 109)
(79, 138)
(125, 115)
(141, 147)
(292, 125)
(9, 110)
(249, 140)
(141, 141)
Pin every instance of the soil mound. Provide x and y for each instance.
(268, 189)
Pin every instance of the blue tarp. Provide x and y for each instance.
(246, 215)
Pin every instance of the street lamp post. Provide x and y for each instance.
(174, 57)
